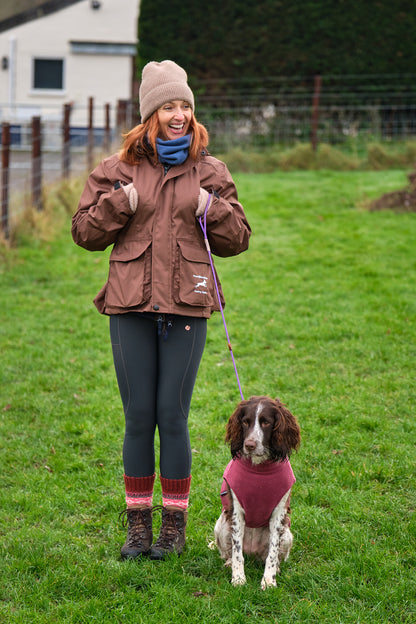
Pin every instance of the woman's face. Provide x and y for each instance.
(174, 119)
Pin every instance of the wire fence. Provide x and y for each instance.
(327, 109)
(54, 144)
(41, 150)
(286, 125)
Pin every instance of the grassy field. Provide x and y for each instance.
(321, 312)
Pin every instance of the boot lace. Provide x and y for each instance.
(138, 525)
(169, 531)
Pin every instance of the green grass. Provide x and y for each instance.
(321, 312)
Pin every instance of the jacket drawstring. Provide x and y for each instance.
(163, 327)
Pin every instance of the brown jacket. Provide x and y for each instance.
(159, 261)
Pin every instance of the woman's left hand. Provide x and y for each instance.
(202, 202)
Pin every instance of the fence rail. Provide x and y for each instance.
(50, 145)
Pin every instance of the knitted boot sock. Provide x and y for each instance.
(175, 492)
(139, 491)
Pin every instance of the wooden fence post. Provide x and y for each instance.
(36, 164)
(121, 115)
(315, 111)
(90, 146)
(66, 142)
(5, 158)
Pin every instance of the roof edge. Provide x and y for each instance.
(52, 6)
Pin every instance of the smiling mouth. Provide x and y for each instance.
(177, 127)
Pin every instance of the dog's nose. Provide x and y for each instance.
(250, 445)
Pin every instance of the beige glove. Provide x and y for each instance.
(202, 202)
(131, 195)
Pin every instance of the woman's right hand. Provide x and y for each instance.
(131, 195)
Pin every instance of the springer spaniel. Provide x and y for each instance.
(256, 487)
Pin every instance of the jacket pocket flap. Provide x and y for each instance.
(130, 250)
(193, 252)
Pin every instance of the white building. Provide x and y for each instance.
(66, 51)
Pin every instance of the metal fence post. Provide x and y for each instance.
(106, 141)
(315, 111)
(5, 149)
(66, 142)
(36, 164)
(90, 146)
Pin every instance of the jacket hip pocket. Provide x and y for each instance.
(129, 279)
(192, 280)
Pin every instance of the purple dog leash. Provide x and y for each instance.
(203, 224)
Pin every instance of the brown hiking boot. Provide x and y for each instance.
(172, 534)
(139, 532)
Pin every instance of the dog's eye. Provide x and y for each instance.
(265, 424)
(245, 423)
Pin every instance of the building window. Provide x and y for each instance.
(48, 74)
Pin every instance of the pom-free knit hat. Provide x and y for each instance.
(161, 83)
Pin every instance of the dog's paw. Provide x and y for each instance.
(238, 580)
(268, 581)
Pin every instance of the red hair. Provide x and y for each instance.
(141, 140)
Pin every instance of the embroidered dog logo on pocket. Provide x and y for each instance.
(201, 285)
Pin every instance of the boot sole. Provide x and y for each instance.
(139, 555)
(161, 555)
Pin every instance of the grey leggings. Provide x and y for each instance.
(156, 366)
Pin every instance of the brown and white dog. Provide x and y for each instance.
(256, 489)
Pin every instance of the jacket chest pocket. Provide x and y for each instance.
(192, 280)
(129, 279)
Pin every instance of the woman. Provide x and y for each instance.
(159, 291)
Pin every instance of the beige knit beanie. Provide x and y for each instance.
(161, 83)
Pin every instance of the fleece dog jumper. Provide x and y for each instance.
(259, 487)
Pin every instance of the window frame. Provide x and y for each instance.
(48, 90)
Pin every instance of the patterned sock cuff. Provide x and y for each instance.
(175, 492)
(139, 490)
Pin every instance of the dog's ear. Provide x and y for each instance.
(234, 431)
(286, 432)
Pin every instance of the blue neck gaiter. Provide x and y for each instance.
(173, 152)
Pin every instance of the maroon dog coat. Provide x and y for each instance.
(259, 487)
